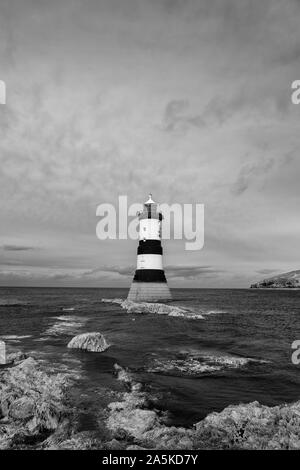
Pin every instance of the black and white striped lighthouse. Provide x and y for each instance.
(149, 283)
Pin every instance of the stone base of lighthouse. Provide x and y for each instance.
(149, 285)
(149, 292)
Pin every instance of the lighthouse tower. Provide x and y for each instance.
(149, 283)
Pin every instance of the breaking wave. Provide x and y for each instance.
(66, 324)
(197, 364)
(12, 302)
(157, 308)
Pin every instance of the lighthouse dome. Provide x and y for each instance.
(150, 200)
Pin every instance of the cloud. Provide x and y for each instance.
(266, 271)
(191, 272)
(260, 169)
(249, 173)
(176, 117)
(17, 248)
(121, 270)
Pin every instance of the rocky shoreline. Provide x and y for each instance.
(155, 307)
(36, 412)
(33, 404)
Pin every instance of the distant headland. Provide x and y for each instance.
(290, 280)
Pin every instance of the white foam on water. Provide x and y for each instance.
(8, 302)
(188, 367)
(197, 363)
(43, 338)
(71, 318)
(14, 337)
(157, 308)
(66, 324)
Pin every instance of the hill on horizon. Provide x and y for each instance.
(290, 280)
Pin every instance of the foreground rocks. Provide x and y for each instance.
(251, 426)
(32, 404)
(246, 426)
(94, 342)
(154, 307)
(35, 412)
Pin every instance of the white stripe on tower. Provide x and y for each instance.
(149, 229)
(149, 261)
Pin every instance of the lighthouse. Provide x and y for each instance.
(149, 283)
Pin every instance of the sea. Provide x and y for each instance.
(235, 348)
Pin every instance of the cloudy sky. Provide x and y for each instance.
(188, 99)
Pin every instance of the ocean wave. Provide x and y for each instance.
(14, 337)
(42, 339)
(12, 302)
(66, 324)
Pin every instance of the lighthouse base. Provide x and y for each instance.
(149, 292)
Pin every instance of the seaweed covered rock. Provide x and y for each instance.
(32, 403)
(250, 426)
(94, 342)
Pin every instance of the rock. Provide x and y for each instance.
(168, 437)
(114, 444)
(246, 426)
(32, 403)
(84, 440)
(250, 426)
(134, 421)
(154, 307)
(22, 408)
(135, 447)
(94, 342)
(15, 358)
(130, 415)
(61, 434)
(290, 280)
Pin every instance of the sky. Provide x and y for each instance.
(187, 99)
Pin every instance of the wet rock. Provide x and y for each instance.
(131, 415)
(114, 444)
(168, 437)
(59, 436)
(135, 447)
(134, 421)
(15, 358)
(94, 342)
(22, 408)
(85, 440)
(248, 426)
(154, 307)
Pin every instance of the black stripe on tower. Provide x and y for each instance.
(149, 275)
(150, 247)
